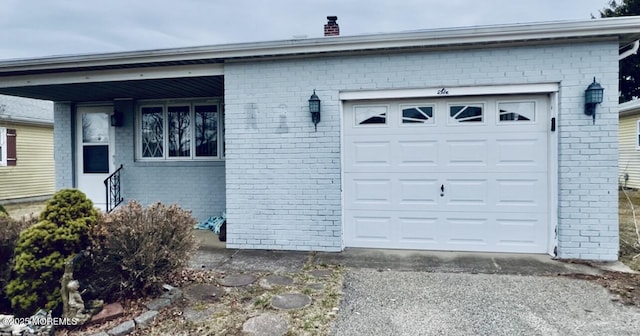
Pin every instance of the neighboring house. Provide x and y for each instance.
(629, 144)
(26, 149)
(466, 139)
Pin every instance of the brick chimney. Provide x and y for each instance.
(332, 28)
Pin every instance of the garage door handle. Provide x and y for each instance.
(442, 188)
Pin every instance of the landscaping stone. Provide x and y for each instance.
(122, 329)
(321, 273)
(237, 280)
(290, 301)
(108, 313)
(102, 333)
(146, 318)
(198, 314)
(204, 292)
(157, 304)
(172, 295)
(266, 325)
(272, 280)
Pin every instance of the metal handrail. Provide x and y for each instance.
(113, 193)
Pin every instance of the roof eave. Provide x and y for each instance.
(26, 121)
(626, 29)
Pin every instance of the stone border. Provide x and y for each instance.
(146, 318)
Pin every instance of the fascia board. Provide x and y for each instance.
(114, 75)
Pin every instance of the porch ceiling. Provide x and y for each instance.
(185, 87)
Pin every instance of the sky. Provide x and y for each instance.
(38, 28)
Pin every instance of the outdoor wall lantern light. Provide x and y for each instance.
(117, 118)
(314, 108)
(592, 97)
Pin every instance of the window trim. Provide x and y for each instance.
(372, 125)
(3, 146)
(451, 121)
(434, 109)
(192, 103)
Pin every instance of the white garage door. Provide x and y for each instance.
(464, 174)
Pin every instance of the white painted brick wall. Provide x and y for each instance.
(63, 145)
(283, 179)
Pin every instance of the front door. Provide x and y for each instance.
(94, 152)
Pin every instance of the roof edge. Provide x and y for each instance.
(26, 121)
(629, 108)
(626, 29)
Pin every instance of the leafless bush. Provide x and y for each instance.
(136, 248)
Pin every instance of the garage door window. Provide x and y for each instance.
(418, 115)
(370, 115)
(471, 113)
(516, 111)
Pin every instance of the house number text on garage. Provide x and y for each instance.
(443, 91)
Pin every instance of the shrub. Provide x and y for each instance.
(11, 229)
(43, 248)
(3, 211)
(136, 248)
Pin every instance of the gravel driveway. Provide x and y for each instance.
(422, 303)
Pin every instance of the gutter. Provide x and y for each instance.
(632, 51)
(26, 121)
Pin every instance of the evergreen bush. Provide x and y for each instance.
(42, 249)
(9, 233)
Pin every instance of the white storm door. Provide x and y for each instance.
(94, 152)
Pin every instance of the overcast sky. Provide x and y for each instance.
(35, 28)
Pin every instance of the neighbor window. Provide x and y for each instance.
(180, 131)
(3, 146)
(7, 147)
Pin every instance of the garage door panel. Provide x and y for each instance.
(466, 230)
(417, 192)
(367, 227)
(371, 153)
(525, 152)
(466, 153)
(466, 192)
(520, 193)
(522, 231)
(444, 185)
(416, 153)
(508, 232)
(376, 191)
(372, 191)
(418, 230)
